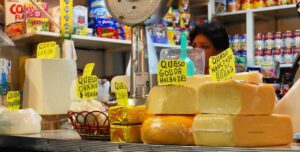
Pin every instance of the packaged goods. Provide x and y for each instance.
(259, 57)
(247, 4)
(35, 19)
(268, 69)
(296, 52)
(297, 38)
(127, 115)
(278, 40)
(220, 6)
(172, 100)
(185, 20)
(268, 55)
(177, 15)
(233, 5)
(278, 55)
(289, 105)
(177, 33)
(107, 28)
(288, 56)
(259, 3)
(45, 90)
(271, 3)
(125, 133)
(14, 17)
(80, 20)
(168, 130)
(259, 41)
(243, 42)
(184, 6)
(242, 131)
(288, 39)
(160, 34)
(284, 2)
(97, 9)
(25, 121)
(269, 41)
(236, 98)
(236, 43)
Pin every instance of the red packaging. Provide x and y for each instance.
(108, 33)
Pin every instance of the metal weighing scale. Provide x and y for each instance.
(138, 14)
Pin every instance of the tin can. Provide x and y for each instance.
(258, 42)
(236, 43)
(297, 38)
(268, 56)
(259, 57)
(243, 42)
(296, 52)
(278, 55)
(288, 39)
(288, 56)
(278, 40)
(269, 41)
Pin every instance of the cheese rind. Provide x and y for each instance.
(172, 100)
(125, 133)
(168, 130)
(242, 131)
(290, 105)
(236, 98)
(127, 115)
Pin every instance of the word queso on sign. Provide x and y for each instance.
(87, 87)
(13, 100)
(172, 72)
(121, 93)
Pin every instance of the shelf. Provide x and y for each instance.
(85, 42)
(68, 140)
(281, 66)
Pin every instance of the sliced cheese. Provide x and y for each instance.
(125, 133)
(172, 100)
(127, 115)
(47, 85)
(290, 105)
(236, 98)
(242, 131)
(168, 130)
(251, 77)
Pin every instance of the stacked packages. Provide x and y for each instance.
(126, 123)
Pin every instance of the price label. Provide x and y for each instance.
(88, 69)
(87, 87)
(222, 66)
(172, 72)
(66, 9)
(46, 50)
(121, 92)
(13, 100)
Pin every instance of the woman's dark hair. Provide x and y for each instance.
(215, 32)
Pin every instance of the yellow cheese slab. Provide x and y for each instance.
(242, 131)
(127, 115)
(125, 133)
(172, 100)
(168, 130)
(290, 105)
(236, 98)
(251, 77)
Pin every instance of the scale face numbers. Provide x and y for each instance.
(132, 12)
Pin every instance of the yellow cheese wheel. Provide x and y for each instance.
(236, 98)
(127, 115)
(168, 130)
(242, 131)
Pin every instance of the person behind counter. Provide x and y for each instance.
(212, 38)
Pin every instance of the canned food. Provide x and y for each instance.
(258, 41)
(278, 40)
(259, 57)
(243, 42)
(288, 40)
(297, 38)
(278, 55)
(269, 41)
(296, 52)
(269, 56)
(288, 56)
(236, 43)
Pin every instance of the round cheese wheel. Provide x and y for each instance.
(168, 130)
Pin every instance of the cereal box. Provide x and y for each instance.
(35, 19)
(14, 17)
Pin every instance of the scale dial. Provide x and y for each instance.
(136, 12)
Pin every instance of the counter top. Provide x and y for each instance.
(69, 140)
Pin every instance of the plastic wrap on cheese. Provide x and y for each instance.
(236, 98)
(242, 131)
(25, 121)
(168, 130)
(127, 115)
(125, 133)
(172, 100)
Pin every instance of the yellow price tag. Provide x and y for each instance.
(121, 92)
(88, 69)
(87, 87)
(46, 50)
(172, 72)
(222, 66)
(66, 10)
(13, 100)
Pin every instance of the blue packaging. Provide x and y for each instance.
(97, 9)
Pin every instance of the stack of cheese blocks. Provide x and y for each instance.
(235, 112)
(125, 123)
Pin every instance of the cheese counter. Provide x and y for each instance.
(69, 140)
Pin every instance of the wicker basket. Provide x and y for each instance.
(88, 126)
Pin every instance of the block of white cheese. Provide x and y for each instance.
(172, 100)
(251, 77)
(242, 131)
(290, 105)
(47, 85)
(236, 98)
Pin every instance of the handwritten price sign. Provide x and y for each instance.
(172, 72)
